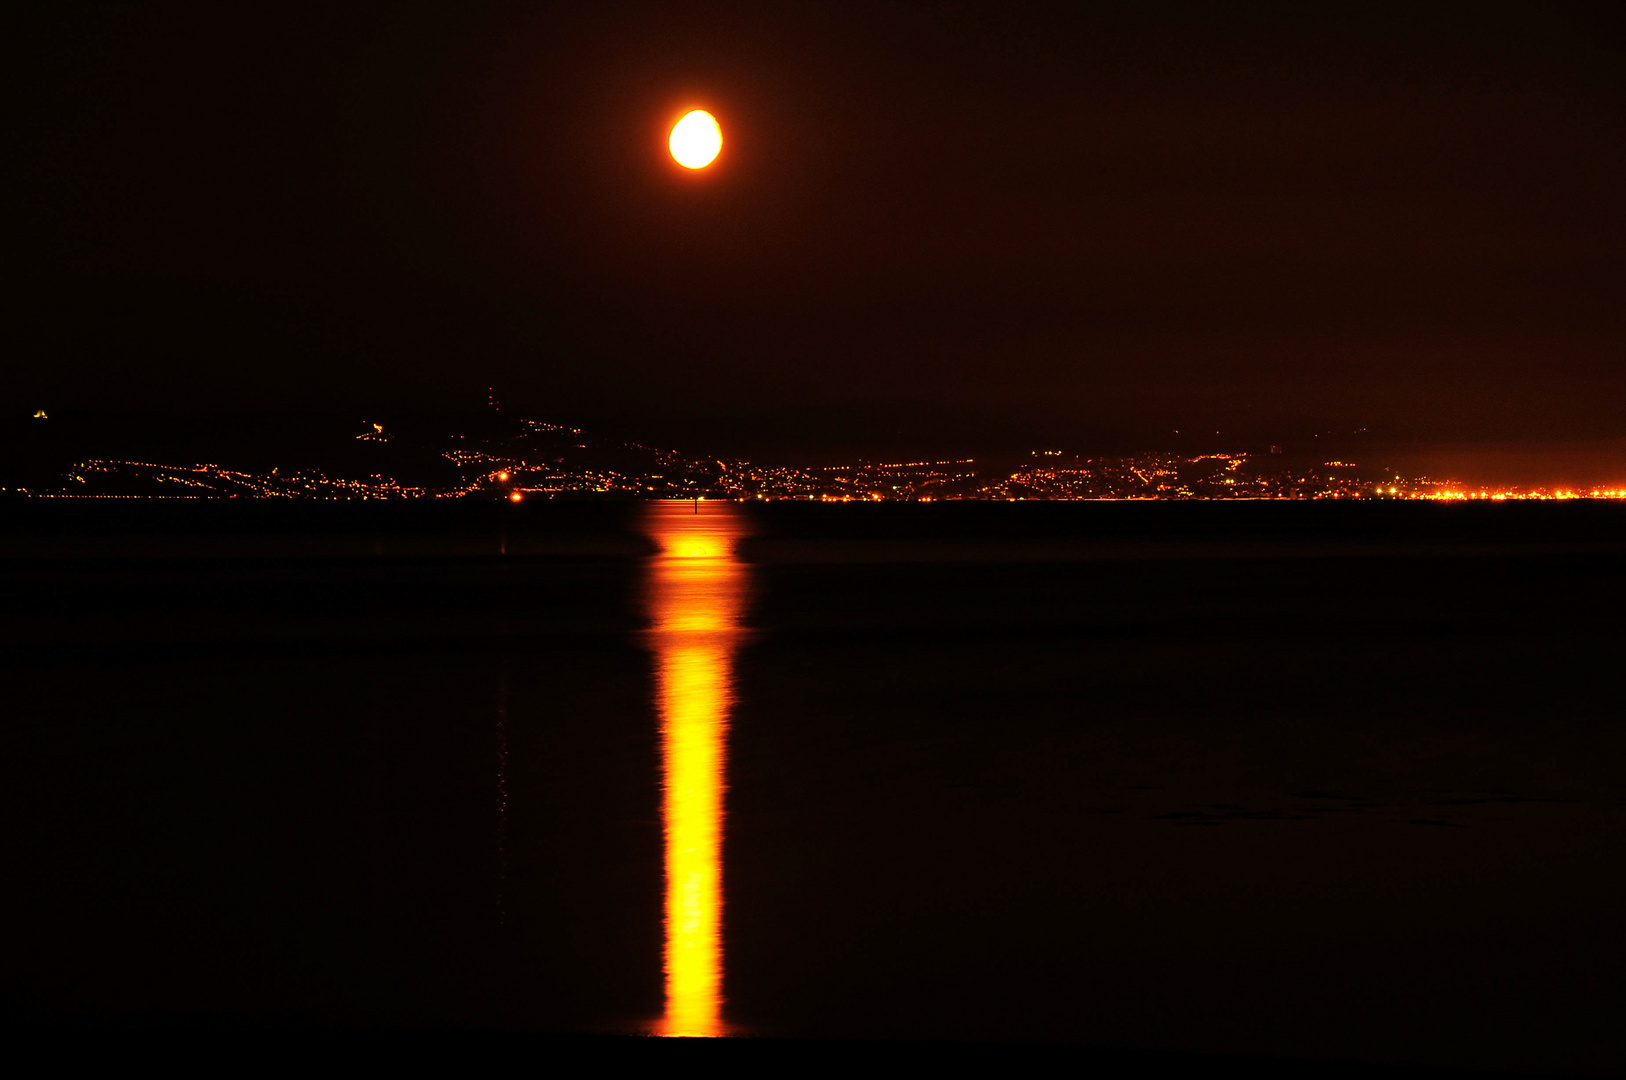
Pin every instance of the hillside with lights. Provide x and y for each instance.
(517, 459)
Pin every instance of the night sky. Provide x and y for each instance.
(1023, 222)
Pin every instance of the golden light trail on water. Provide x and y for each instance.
(696, 596)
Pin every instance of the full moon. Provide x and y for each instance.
(696, 139)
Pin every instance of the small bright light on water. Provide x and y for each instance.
(696, 139)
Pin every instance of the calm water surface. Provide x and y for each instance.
(1284, 781)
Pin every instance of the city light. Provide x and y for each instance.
(551, 461)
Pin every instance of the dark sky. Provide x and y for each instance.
(1097, 224)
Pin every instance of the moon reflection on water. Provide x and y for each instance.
(696, 597)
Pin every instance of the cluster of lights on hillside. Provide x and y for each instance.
(538, 460)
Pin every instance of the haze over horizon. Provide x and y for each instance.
(1016, 224)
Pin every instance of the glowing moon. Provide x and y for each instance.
(696, 139)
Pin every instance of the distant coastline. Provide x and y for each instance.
(522, 459)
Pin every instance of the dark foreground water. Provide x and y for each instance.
(1324, 782)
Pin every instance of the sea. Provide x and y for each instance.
(1300, 781)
